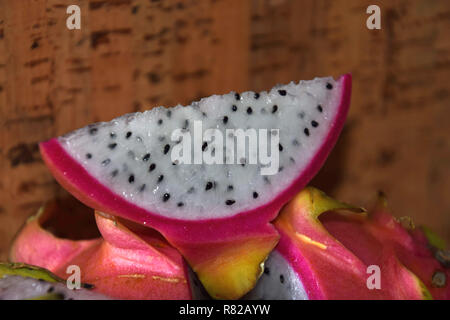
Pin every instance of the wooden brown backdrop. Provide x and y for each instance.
(134, 55)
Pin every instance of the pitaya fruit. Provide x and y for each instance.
(410, 244)
(19, 281)
(216, 215)
(130, 262)
(335, 256)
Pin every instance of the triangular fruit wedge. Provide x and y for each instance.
(209, 176)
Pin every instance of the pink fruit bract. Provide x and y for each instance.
(128, 263)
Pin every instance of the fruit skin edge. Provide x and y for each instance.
(186, 235)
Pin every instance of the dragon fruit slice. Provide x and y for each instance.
(217, 215)
(130, 262)
(331, 257)
(19, 281)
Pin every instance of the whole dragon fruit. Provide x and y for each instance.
(327, 251)
(209, 197)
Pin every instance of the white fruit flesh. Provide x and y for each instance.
(22, 288)
(278, 282)
(116, 152)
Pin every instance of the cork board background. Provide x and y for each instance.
(133, 55)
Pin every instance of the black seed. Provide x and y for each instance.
(256, 95)
(131, 179)
(237, 96)
(234, 108)
(166, 148)
(329, 86)
(106, 162)
(142, 188)
(152, 167)
(186, 124)
(301, 115)
(306, 131)
(160, 122)
(160, 178)
(274, 108)
(292, 160)
(204, 146)
(209, 185)
(51, 289)
(168, 113)
(112, 135)
(112, 145)
(225, 120)
(146, 157)
(266, 271)
(230, 187)
(114, 173)
(128, 135)
(229, 202)
(266, 180)
(175, 163)
(314, 123)
(280, 169)
(166, 197)
(281, 278)
(249, 110)
(88, 286)
(180, 204)
(280, 147)
(88, 155)
(282, 92)
(255, 195)
(93, 131)
(319, 107)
